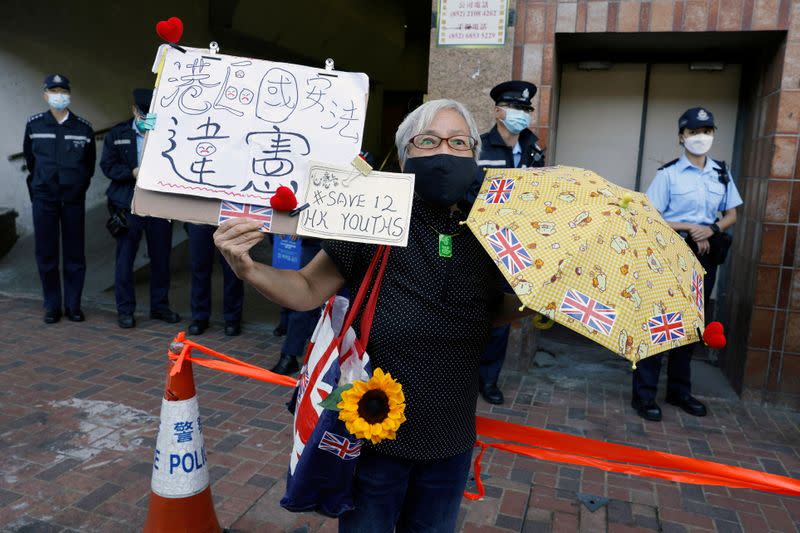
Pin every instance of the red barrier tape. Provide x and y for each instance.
(544, 444)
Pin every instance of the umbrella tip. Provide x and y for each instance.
(626, 199)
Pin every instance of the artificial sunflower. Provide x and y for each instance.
(374, 409)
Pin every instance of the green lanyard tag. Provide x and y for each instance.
(445, 245)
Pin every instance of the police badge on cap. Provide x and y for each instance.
(515, 92)
(696, 117)
(56, 80)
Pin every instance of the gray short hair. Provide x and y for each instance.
(421, 118)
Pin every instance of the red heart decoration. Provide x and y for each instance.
(283, 199)
(716, 341)
(170, 30)
(715, 328)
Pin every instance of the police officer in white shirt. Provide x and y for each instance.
(689, 192)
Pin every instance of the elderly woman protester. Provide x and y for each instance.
(432, 322)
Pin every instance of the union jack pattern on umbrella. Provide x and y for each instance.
(591, 313)
(509, 250)
(499, 191)
(697, 289)
(340, 446)
(230, 210)
(664, 328)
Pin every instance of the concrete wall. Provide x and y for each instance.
(88, 42)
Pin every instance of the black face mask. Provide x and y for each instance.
(442, 179)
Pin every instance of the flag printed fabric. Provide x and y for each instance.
(231, 210)
(510, 251)
(666, 327)
(591, 313)
(499, 191)
(697, 290)
(324, 453)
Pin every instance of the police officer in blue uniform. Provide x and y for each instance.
(202, 251)
(689, 192)
(122, 155)
(60, 152)
(509, 144)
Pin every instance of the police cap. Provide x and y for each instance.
(696, 117)
(142, 99)
(514, 92)
(56, 80)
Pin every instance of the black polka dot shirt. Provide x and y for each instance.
(431, 325)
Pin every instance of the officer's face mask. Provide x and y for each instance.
(698, 144)
(58, 101)
(516, 120)
(144, 123)
(442, 179)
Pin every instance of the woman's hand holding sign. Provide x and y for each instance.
(235, 238)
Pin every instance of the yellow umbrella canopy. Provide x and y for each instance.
(593, 256)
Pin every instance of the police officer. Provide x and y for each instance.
(509, 144)
(60, 153)
(689, 192)
(122, 155)
(202, 252)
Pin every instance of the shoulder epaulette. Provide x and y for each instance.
(84, 120)
(665, 165)
(36, 116)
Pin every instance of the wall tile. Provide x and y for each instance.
(535, 23)
(565, 20)
(516, 62)
(548, 63)
(767, 286)
(696, 16)
(788, 116)
(761, 328)
(779, 332)
(790, 374)
(597, 17)
(677, 15)
(794, 294)
(532, 63)
(755, 370)
(628, 16)
(713, 14)
(783, 14)
(580, 18)
(784, 288)
(778, 198)
(792, 341)
(794, 22)
(730, 15)
(661, 19)
(544, 105)
(765, 15)
(613, 15)
(550, 25)
(773, 373)
(784, 157)
(768, 119)
(791, 67)
(790, 246)
(794, 204)
(772, 237)
(644, 17)
(747, 14)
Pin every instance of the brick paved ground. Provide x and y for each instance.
(78, 417)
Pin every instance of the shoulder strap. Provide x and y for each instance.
(372, 278)
(665, 165)
(724, 178)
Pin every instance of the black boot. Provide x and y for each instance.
(287, 365)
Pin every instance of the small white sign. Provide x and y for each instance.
(348, 206)
(472, 22)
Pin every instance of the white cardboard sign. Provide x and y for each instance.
(235, 128)
(348, 206)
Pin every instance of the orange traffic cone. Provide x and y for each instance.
(180, 497)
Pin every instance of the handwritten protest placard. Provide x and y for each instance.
(236, 128)
(348, 206)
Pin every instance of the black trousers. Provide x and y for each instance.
(60, 222)
(679, 363)
(203, 252)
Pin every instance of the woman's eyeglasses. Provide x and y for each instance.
(427, 141)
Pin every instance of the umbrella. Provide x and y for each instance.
(593, 256)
